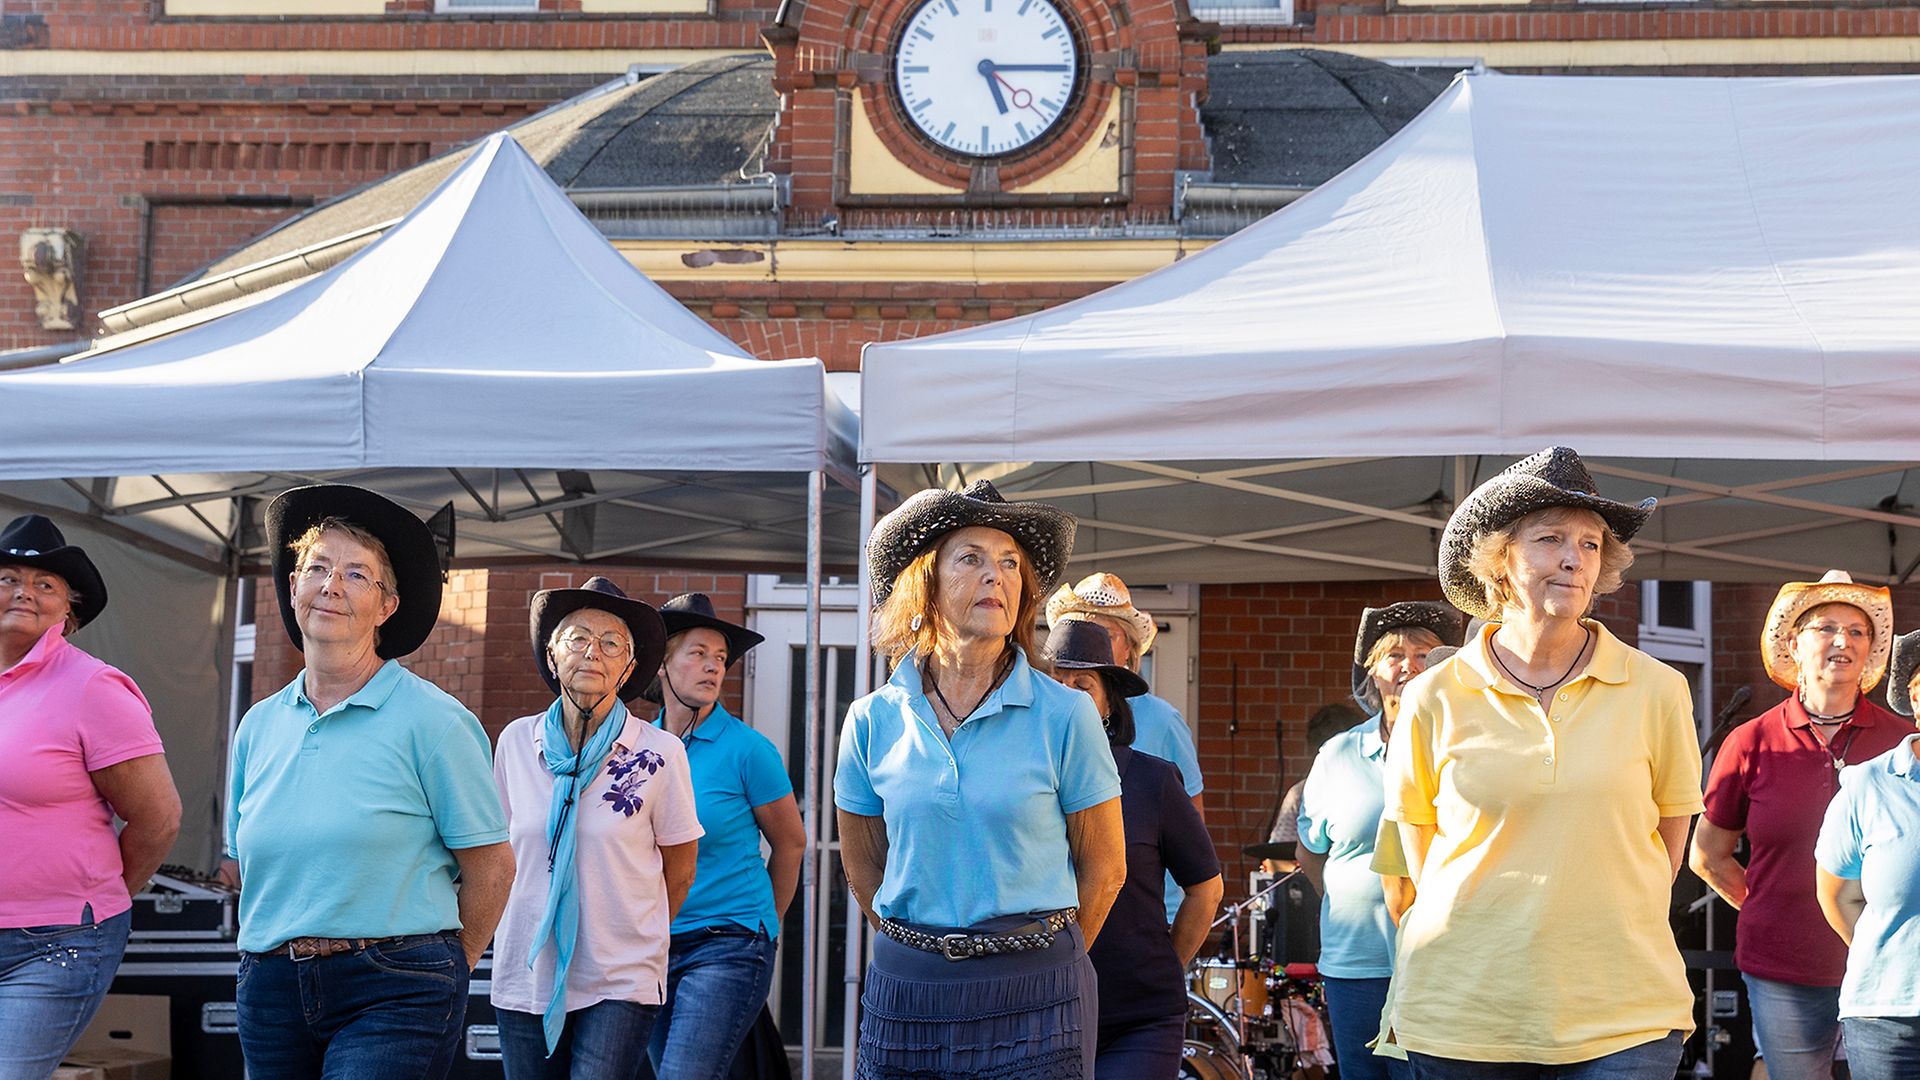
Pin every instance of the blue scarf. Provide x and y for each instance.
(572, 772)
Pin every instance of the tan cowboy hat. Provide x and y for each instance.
(1103, 594)
(1834, 587)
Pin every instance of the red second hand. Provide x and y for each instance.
(1018, 94)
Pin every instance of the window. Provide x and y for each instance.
(1243, 12)
(1676, 625)
(462, 7)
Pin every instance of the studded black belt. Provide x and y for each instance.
(1038, 934)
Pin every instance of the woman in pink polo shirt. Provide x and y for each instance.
(79, 747)
(600, 812)
(1827, 642)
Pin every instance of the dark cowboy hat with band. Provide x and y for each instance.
(1906, 656)
(1044, 532)
(33, 541)
(410, 549)
(694, 611)
(551, 607)
(1553, 477)
(1438, 619)
(1077, 645)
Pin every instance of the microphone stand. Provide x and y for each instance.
(1239, 999)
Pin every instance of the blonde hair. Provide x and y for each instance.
(1487, 562)
(914, 594)
(1405, 635)
(302, 546)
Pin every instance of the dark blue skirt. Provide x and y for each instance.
(1017, 1016)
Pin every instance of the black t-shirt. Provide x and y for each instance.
(1140, 977)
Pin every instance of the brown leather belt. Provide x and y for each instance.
(309, 948)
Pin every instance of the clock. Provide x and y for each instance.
(986, 78)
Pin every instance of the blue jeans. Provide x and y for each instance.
(1656, 1060)
(717, 981)
(51, 981)
(1795, 1028)
(1140, 1049)
(392, 1011)
(1353, 1010)
(1883, 1047)
(604, 1041)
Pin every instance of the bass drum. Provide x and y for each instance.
(1199, 1061)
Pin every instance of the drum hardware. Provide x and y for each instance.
(1238, 1003)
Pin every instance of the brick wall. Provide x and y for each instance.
(479, 651)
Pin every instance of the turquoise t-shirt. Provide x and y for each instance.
(1869, 836)
(976, 827)
(345, 823)
(1339, 817)
(1160, 730)
(735, 769)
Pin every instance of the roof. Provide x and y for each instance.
(696, 125)
(1297, 117)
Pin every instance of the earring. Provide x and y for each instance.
(915, 624)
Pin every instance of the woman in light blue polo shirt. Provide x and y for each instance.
(1868, 881)
(979, 805)
(1340, 809)
(720, 964)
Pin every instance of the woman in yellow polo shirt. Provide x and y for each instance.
(1543, 779)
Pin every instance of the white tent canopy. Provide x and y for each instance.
(1704, 285)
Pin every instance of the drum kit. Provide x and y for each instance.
(1250, 1014)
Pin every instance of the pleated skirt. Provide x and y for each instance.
(1017, 1016)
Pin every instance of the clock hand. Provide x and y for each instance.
(1018, 94)
(1031, 67)
(986, 69)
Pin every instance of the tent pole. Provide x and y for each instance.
(816, 834)
(862, 685)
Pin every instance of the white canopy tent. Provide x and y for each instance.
(1704, 285)
(491, 350)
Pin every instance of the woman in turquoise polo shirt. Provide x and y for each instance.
(979, 805)
(372, 848)
(1340, 817)
(720, 963)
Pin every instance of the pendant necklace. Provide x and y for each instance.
(1844, 721)
(961, 717)
(1540, 691)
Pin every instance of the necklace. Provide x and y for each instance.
(1839, 759)
(1836, 718)
(999, 672)
(1540, 691)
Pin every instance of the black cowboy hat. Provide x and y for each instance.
(1375, 623)
(551, 606)
(33, 540)
(694, 611)
(1078, 645)
(410, 545)
(1044, 532)
(1553, 477)
(1906, 654)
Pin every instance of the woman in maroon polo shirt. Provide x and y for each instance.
(1827, 641)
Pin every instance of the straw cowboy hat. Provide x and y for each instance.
(1103, 594)
(1906, 653)
(1441, 620)
(410, 548)
(1553, 477)
(551, 606)
(1834, 587)
(1044, 532)
(1078, 645)
(34, 541)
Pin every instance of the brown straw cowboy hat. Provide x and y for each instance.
(1834, 587)
(1103, 594)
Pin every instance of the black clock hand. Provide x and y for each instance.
(986, 70)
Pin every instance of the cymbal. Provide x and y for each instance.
(1268, 851)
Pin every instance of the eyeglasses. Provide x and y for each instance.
(1832, 630)
(357, 582)
(40, 588)
(611, 645)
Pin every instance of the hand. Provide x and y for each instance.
(986, 70)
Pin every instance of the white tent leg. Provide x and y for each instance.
(810, 866)
(862, 685)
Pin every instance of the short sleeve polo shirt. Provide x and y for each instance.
(1868, 836)
(345, 823)
(1772, 780)
(1339, 818)
(735, 769)
(976, 826)
(1160, 730)
(1541, 931)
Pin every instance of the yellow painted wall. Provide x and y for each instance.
(958, 261)
(1094, 168)
(873, 170)
(1692, 52)
(371, 62)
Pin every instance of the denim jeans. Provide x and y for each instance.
(51, 981)
(717, 981)
(604, 1041)
(1883, 1047)
(392, 1011)
(1795, 1028)
(1140, 1049)
(1656, 1060)
(1353, 1010)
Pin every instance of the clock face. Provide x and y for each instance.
(985, 77)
